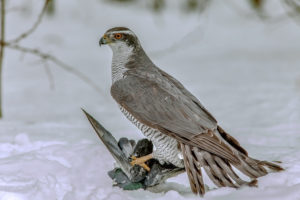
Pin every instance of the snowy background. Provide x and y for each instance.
(244, 70)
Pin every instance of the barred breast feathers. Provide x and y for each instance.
(121, 56)
(166, 147)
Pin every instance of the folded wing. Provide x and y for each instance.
(161, 104)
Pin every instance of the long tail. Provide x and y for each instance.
(220, 170)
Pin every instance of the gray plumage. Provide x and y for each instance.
(173, 119)
(166, 147)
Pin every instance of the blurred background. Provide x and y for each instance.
(240, 58)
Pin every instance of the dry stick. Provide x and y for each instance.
(13, 9)
(2, 38)
(49, 75)
(58, 62)
(33, 28)
(174, 47)
(295, 10)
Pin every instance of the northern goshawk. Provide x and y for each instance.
(183, 132)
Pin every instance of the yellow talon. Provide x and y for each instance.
(141, 161)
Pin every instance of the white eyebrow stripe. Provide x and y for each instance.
(127, 32)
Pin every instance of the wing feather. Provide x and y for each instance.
(162, 105)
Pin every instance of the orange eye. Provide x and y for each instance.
(118, 36)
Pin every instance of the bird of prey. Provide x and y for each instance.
(183, 132)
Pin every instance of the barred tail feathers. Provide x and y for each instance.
(220, 170)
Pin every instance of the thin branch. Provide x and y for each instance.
(282, 17)
(34, 26)
(49, 75)
(13, 9)
(175, 46)
(2, 39)
(57, 61)
(295, 10)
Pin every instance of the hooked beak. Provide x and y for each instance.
(104, 40)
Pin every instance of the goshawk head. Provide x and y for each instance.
(120, 38)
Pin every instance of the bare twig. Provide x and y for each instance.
(34, 26)
(282, 17)
(175, 46)
(13, 9)
(294, 8)
(2, 38)
(49, 75)
(57, 61)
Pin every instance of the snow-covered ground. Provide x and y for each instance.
(244, 70)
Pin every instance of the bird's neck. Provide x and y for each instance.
(121, 55)
(125, 58)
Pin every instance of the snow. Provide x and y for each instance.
(244, 70)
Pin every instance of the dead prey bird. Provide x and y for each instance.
(183, 132)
